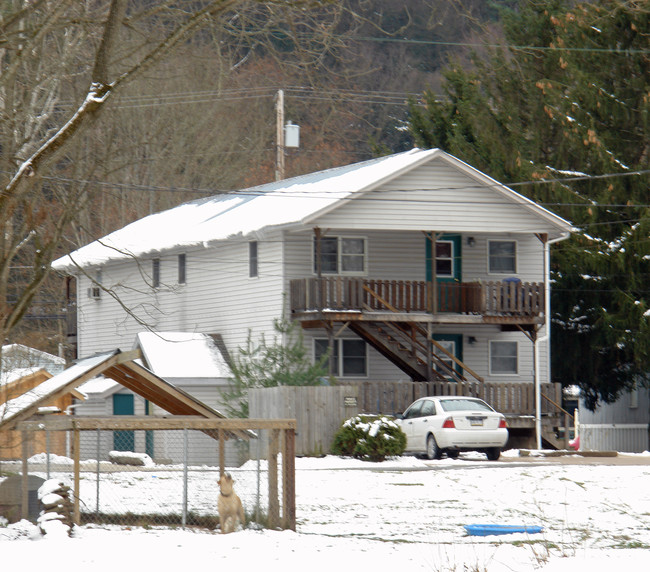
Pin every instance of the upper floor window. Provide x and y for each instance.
(155, 272)
(502, 256)
(252, 259)
(504, 357)
(340, 255)
(444, 258)
(350, 356)
(182, 277)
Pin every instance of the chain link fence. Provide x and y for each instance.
(155, 475)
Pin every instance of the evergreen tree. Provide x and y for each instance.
(564, 108)
(284, 361)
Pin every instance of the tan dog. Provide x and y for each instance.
(231, 511)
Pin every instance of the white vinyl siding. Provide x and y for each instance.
(220, 299)
(463, 204)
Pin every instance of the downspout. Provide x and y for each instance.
(546, 338)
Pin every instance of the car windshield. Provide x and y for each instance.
(464, 405)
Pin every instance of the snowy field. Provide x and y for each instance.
(403, 514)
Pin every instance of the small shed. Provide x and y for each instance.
(14, 387)
(191, 362)
(122, 367)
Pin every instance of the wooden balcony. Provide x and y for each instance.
(350, 299)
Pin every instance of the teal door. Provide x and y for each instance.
(148, 435)
(453, 343)
(448, 258)
(448, 271)
(123, 405)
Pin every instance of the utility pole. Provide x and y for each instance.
(279, 136)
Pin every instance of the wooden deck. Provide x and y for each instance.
(489, 301)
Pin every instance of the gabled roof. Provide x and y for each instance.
(182, 355)
(284, 203)
(123, 368)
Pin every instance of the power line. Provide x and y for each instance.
(256, 191)
(621, 51)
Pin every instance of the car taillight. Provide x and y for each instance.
(503, 424)
(449, 424)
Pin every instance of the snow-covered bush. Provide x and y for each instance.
(369, 437)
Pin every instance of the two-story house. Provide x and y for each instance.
(413, 266)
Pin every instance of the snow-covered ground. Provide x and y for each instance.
(403, 514)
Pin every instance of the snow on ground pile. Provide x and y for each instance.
(402, 514)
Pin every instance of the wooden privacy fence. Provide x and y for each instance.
(508, 398)
(360, 294)
(319, 411)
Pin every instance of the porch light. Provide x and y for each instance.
(471, 340)
(471, 241)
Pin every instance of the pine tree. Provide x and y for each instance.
(284, 361)
(564, 106)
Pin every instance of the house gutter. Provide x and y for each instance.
(545, 338)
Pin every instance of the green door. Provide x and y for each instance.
(123, 405)
(448, 271)
(148, 435)
(453, 343)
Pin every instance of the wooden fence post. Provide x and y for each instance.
(25, 477)
(289, 480)
(274, 505)
(222, 453)
(76, 516)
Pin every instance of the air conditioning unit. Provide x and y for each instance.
(94, 292)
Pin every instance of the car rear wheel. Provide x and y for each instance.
(433, 451)
(493, 453)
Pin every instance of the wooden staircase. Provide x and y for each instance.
(407, 345)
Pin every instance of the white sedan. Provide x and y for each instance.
(450, 424)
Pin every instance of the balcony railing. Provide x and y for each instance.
(508, 298)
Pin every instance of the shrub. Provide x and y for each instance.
(369, 437)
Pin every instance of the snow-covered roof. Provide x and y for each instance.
(172, 355)
(283, 203)
(97, 385)
(123, 367)
(50, 387)
(19, 360)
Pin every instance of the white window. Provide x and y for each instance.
(504, 358)
(252, 259)
(444, 258)
(502, 256)
(340, 255)
(350, 356)
(155, 272)
(182, 274)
